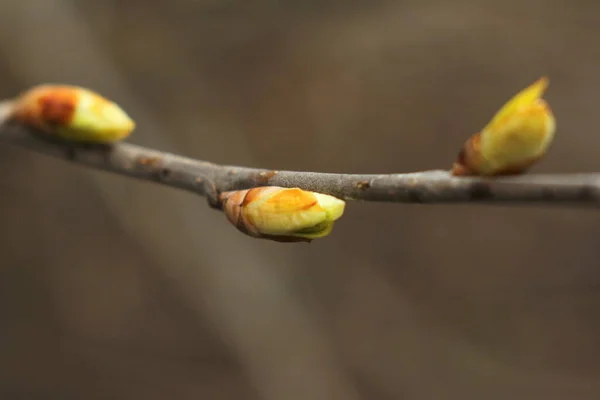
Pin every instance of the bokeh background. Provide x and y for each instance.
(118, 289)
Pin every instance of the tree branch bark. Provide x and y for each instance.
(209, 179)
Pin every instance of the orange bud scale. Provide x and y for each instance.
(47, 105)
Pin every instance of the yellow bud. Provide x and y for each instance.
(518, 135)
(72, 113)
(282, 214)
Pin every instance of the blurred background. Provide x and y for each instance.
(117, 289)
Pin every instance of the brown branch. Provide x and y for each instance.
(209, 179)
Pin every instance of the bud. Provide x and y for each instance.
(72, 113)
(282, 214)
(517, 136)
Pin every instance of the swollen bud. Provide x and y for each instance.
(72, 113)
(518, 135)
(282, 214)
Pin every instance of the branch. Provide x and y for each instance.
(209, 179)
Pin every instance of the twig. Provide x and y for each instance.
(209, 179)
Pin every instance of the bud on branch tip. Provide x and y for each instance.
(72, 113)
(518, 135)
(282, 214)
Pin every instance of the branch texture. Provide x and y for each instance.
(209, 179)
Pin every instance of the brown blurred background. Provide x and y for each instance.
(117, 289)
